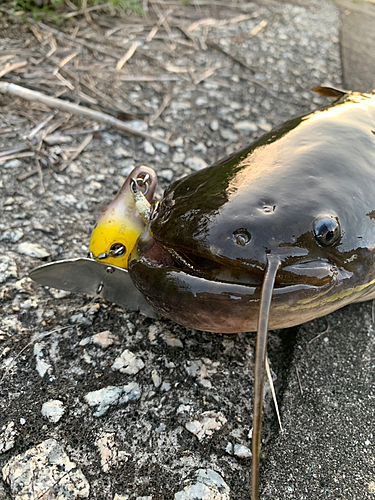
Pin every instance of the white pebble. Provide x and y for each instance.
(195, 163)
(53, 410)
(128, 363)
(44, 468)
(149, 148)
(7, 437)
(32, 250)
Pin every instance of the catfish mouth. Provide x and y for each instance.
(311, 273)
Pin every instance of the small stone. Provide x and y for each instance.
(200, 148)
(163, 148)
(178, 157)
(149, 148)
(245, 126)
(209, 422)
(229, 448)
(13, 164)
(206, 383)
(101, 339)
(41, 227)
(152, 332)
(130, 392)
(29, 304)
(165, 387)
(8, 268)
(166, 174)
(8, 435)
(58, 294)
(92, 187)
(128, 363)
(112, 395)
(8, 201)
(195, 163)
(80, 319)
(160, 429)
(120, 152)
(144, 498)
(53, 410)
(137, 125)
(184, 409)
(172, 341)
(104, 339)
(109, 454)
(208, 485)
(23, 285)
(193, 368)
(32, 250)
(67, 200)
(241, 451)
(266, 127)
(201, 101)
(45, 467)
(214, 125)
(103, 399)
(11, 236)
(42, 366)
(128, 166)
(121, 497)
(179, 142)
(156, 378)
(228, 135)
(74, 169)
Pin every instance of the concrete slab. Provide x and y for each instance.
(357, 40)
(327, 450)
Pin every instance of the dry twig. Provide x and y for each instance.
(53, 102)
(27, 154)
(127, 56)
(11, 67)
(77, 152)
(166, 100)
(299, 381)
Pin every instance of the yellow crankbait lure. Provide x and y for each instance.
(119, 226)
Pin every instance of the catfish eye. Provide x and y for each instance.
(241, 237)
(327, 230)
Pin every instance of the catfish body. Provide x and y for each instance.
(304, 193)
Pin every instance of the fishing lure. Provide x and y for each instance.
(117, 229)
(273, 236)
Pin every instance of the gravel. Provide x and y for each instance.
(45, 468)
(148, 407)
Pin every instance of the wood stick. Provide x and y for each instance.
(15, 156)
(12, 67)
(78, 151)
(53, 102)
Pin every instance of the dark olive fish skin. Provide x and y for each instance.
(304, 193)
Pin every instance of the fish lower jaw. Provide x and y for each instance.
(314, 273)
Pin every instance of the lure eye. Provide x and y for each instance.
(117, 250)
(327, 230)
(241, 237)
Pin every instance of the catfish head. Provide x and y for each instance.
(302, 195)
